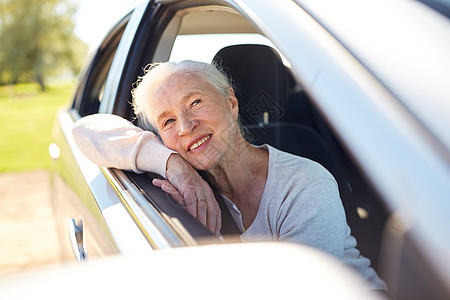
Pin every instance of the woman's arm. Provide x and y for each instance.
(111, 141)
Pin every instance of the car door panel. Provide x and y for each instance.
(72, 199)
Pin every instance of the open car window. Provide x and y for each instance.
(282, 115)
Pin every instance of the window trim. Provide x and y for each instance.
(118, 65)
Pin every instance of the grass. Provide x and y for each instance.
(26, 118)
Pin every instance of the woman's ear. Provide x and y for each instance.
(234, 103)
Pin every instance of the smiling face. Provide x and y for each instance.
(194, 119)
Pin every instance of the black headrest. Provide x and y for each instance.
(259, 78)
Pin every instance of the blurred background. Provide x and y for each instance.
(43, 46)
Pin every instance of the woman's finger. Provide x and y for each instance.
(197, 195)
(202, 208)
(214, 218)
(208, 211)
(198, 199)
(190, 200)
(167, 187)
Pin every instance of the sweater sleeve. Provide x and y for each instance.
(114, 142)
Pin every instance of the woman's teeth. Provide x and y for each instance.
(196, 145)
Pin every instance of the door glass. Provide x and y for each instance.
(95, 80)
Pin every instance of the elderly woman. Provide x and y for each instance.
(272, 195)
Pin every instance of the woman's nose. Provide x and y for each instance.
(187, 125)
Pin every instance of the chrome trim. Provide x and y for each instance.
(151, 223)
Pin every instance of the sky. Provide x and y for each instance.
(95, 18)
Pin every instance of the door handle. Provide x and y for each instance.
(54, 151)
(76, 235)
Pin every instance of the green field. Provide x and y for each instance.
(26, 118)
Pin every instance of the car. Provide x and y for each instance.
(153, 275)
(359, 86)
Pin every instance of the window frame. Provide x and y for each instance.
(145, 48)
(97, 68)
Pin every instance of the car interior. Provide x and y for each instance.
(274, 109)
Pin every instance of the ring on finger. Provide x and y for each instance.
(203, 199)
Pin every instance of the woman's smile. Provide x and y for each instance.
(200, 144)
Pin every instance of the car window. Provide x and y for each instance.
(274, 107)
(91, 89)
(203, 47)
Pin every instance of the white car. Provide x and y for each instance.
(360, 86)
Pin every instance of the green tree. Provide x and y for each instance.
(37, 40)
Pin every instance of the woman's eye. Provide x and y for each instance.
(196, 102)
(168, 122)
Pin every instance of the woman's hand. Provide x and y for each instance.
(188, 188)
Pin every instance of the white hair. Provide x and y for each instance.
(158, 73)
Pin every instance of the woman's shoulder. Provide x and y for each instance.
(288, 165)
(297, 185)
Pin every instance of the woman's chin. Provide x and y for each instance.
(204, 159)
(203, 166)
(200, 162)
